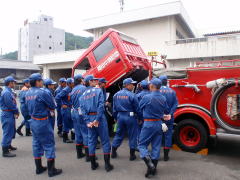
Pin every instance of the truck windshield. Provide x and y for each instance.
(82, 67)
(103, 49)
(128, 39)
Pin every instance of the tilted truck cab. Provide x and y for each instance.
(114, 56)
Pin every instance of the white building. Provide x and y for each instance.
(151, 26)
(59, 64)
(40, 37)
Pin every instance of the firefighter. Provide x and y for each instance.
(24, 109)
(153, 106)
(144, 91)
(62, 85)
(127, 113)
(9, 114)
(64, 96)
(49, 88)
(78, 123)
(38, 103)
(92, 107)
(172, 102)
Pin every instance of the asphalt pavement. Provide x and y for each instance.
(222, 163)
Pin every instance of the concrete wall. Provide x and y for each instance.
(64, 67)
(216, 46)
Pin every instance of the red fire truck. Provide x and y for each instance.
(209, 94)
(209, 102)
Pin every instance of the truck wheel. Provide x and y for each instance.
(190, 135)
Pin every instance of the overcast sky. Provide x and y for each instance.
(206, 15)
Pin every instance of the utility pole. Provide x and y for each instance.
(121, 5)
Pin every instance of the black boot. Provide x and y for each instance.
(39, 168)
(150, 166)
(65, 138)
(94, 164)
(155, 163)
(80, 154)
(6, 153)
(72, 135)
(19, 130)
(87, 154)
(166, 152)
(132, 155)
(11, 148)
(52, 171)
(108, 166)
(28, 132)
(114, 153)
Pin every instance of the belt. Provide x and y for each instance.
(66, 105)
(7, 110)
(92, 113)
(45, 118)
(152, 119)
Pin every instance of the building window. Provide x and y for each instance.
(50, 36)
(179, 35)
(45, 19)
(37, 37)
(60, 43)
(39, 46)
(103, 49)
(50, 47)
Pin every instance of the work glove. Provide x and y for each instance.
(52, 113)
(164, 127)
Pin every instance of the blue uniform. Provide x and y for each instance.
(172, 102)
(153, 106)
(92, 106)
(39, 102)
(127, 113)
(23, 107)
(59, 106)
(9, 108)
(64, 97)
(80, 127)
(140, 95)
(51, 114)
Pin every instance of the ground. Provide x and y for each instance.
(222, 163)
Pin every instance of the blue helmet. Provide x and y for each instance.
(35, 77)
(156, 82)
(129, 81)
(9, 79)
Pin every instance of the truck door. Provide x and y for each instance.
(109, 63)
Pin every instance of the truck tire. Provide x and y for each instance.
(190, 135)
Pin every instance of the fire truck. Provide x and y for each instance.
(208, 94)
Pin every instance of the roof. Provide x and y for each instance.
(161, 10)
(222, 33)
(15, 64)
(58, 57)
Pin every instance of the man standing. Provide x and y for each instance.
(154, 106)
(64, 97)
(9, 114)
(38, 103)
(127, 113)
(78, 122)
(144, 91)
(49, 88)
(172, 102)
(92, 107)
(24, 109)
(62, 85)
